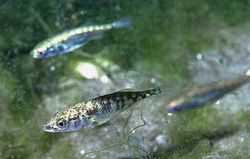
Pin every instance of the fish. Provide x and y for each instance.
(206, 94)
(96, 111)
(73, 39)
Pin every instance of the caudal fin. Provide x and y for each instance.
(156, 91)
(124, 22)
(151, 92)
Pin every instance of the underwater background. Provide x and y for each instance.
(173, 45)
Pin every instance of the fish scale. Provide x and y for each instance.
(97, 111)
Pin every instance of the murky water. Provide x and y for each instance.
(174, 45)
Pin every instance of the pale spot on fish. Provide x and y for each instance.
(109, 27)
(72, 33)
(55, 40)
(105, 102)
(97, 28)
(89, 105)
(78, 31)
(101, 27)
(120, 103)
(84, 29)
(65, 37)
(147, 95)
(111, 101)
(40, 49)
(91, 28)
(48, 45)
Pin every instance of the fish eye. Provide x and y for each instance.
(61, 123)
(39, 53)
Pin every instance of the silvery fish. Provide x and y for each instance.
(97, 111)
(206, 94)
(70, 40)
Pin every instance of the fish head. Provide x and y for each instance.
(67, 121)
(44, 50)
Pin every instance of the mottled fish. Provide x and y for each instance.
(70, 40)
(206, 94)
(97, 111)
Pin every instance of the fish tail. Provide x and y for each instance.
(124, 22)
(153, 91)
(156, 90)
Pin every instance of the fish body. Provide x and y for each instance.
(205, 94)
(70, 40)
(97, 111)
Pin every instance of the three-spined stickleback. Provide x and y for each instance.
(97, 111)
(70, 40)
(206, 94)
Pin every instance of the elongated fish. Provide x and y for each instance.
(70, 40)
(206, 94)
(96, 111)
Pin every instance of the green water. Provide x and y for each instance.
(164, 37)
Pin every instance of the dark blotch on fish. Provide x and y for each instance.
(119, 104)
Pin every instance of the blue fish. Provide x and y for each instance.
(206, 94)
(73, 39)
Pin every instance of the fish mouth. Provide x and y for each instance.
(37, 56)
(48, 128)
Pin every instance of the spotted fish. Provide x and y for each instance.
(97, 111)
(73, 39)
(206, 94)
